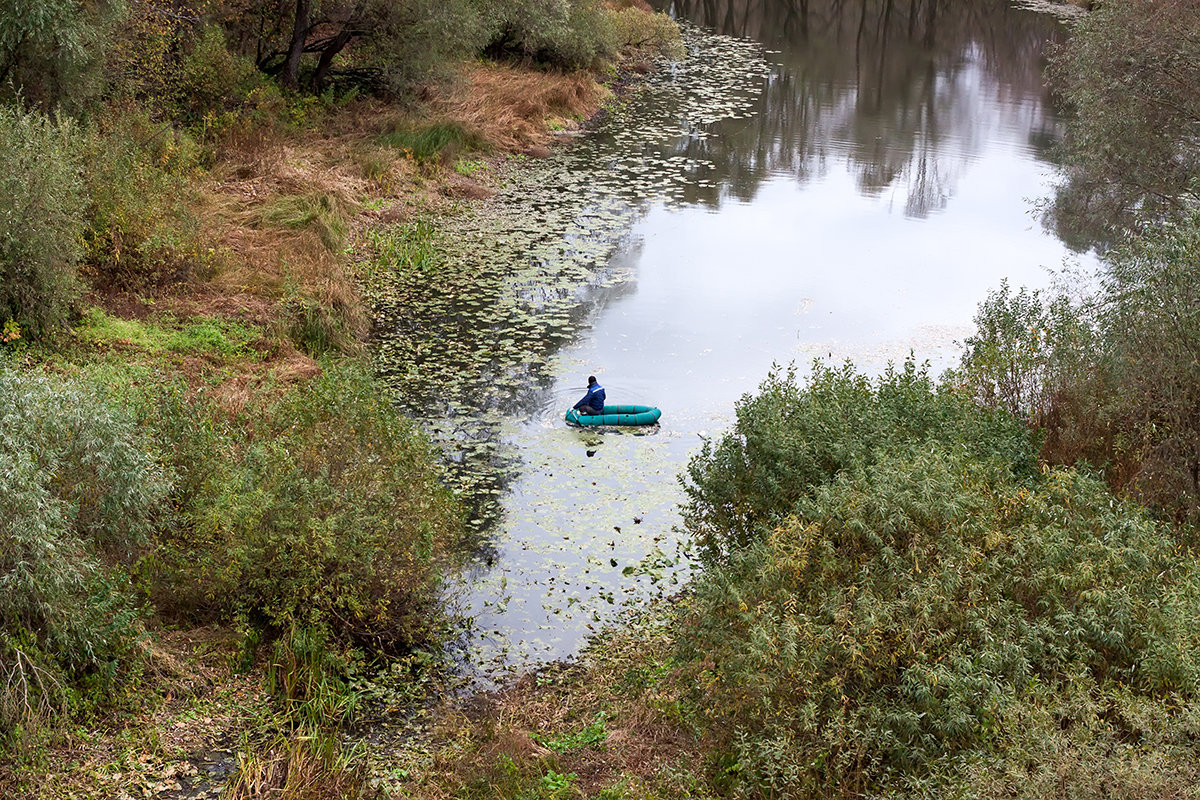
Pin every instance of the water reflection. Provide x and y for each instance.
(904, 92)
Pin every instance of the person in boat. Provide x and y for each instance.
(593, 401)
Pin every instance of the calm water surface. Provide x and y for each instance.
(854, 196)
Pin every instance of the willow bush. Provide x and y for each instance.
(921, 602)
(1149, 311)
(80, 500)
(322, 508)
(1026, 348)
(40, 224)
(103, 204)
(788, 439)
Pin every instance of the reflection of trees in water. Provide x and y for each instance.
(903, 90)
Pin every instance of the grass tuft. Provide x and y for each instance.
(295, 768)
(439, 142)
(324, 213)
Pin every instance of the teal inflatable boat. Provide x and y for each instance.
(616, 415)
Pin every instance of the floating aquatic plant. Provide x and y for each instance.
(472, 307)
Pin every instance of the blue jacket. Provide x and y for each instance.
(593, 398)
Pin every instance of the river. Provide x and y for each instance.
(837, 179)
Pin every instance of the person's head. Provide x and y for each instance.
(591, 379)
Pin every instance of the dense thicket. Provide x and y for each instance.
(317, 517)
(916, 603)
(100, 203)
(397, 45)
(1130, 72)
(80, 499)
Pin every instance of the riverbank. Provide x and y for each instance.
(269, 322)
(883, 613)
(611, 724)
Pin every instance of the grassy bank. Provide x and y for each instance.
(220, 544)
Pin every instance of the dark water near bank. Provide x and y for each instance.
(822, 179)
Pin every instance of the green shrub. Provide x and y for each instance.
(90, 457)
(789, 440)
(895, 604)
(142, 60)
(138, 229)
(40, 224)
(1099, 744)
(117, 187)
(80, 499)
(320, 509)
(570, 34)
(211, 78)
(917, 608)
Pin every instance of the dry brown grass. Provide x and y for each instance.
(288, 769)
(271, 267)
(284, 269)
(270, 257)
(513, 109)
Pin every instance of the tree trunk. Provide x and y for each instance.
(291, 68)
(335, 46)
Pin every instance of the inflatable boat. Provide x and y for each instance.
(616, 415)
